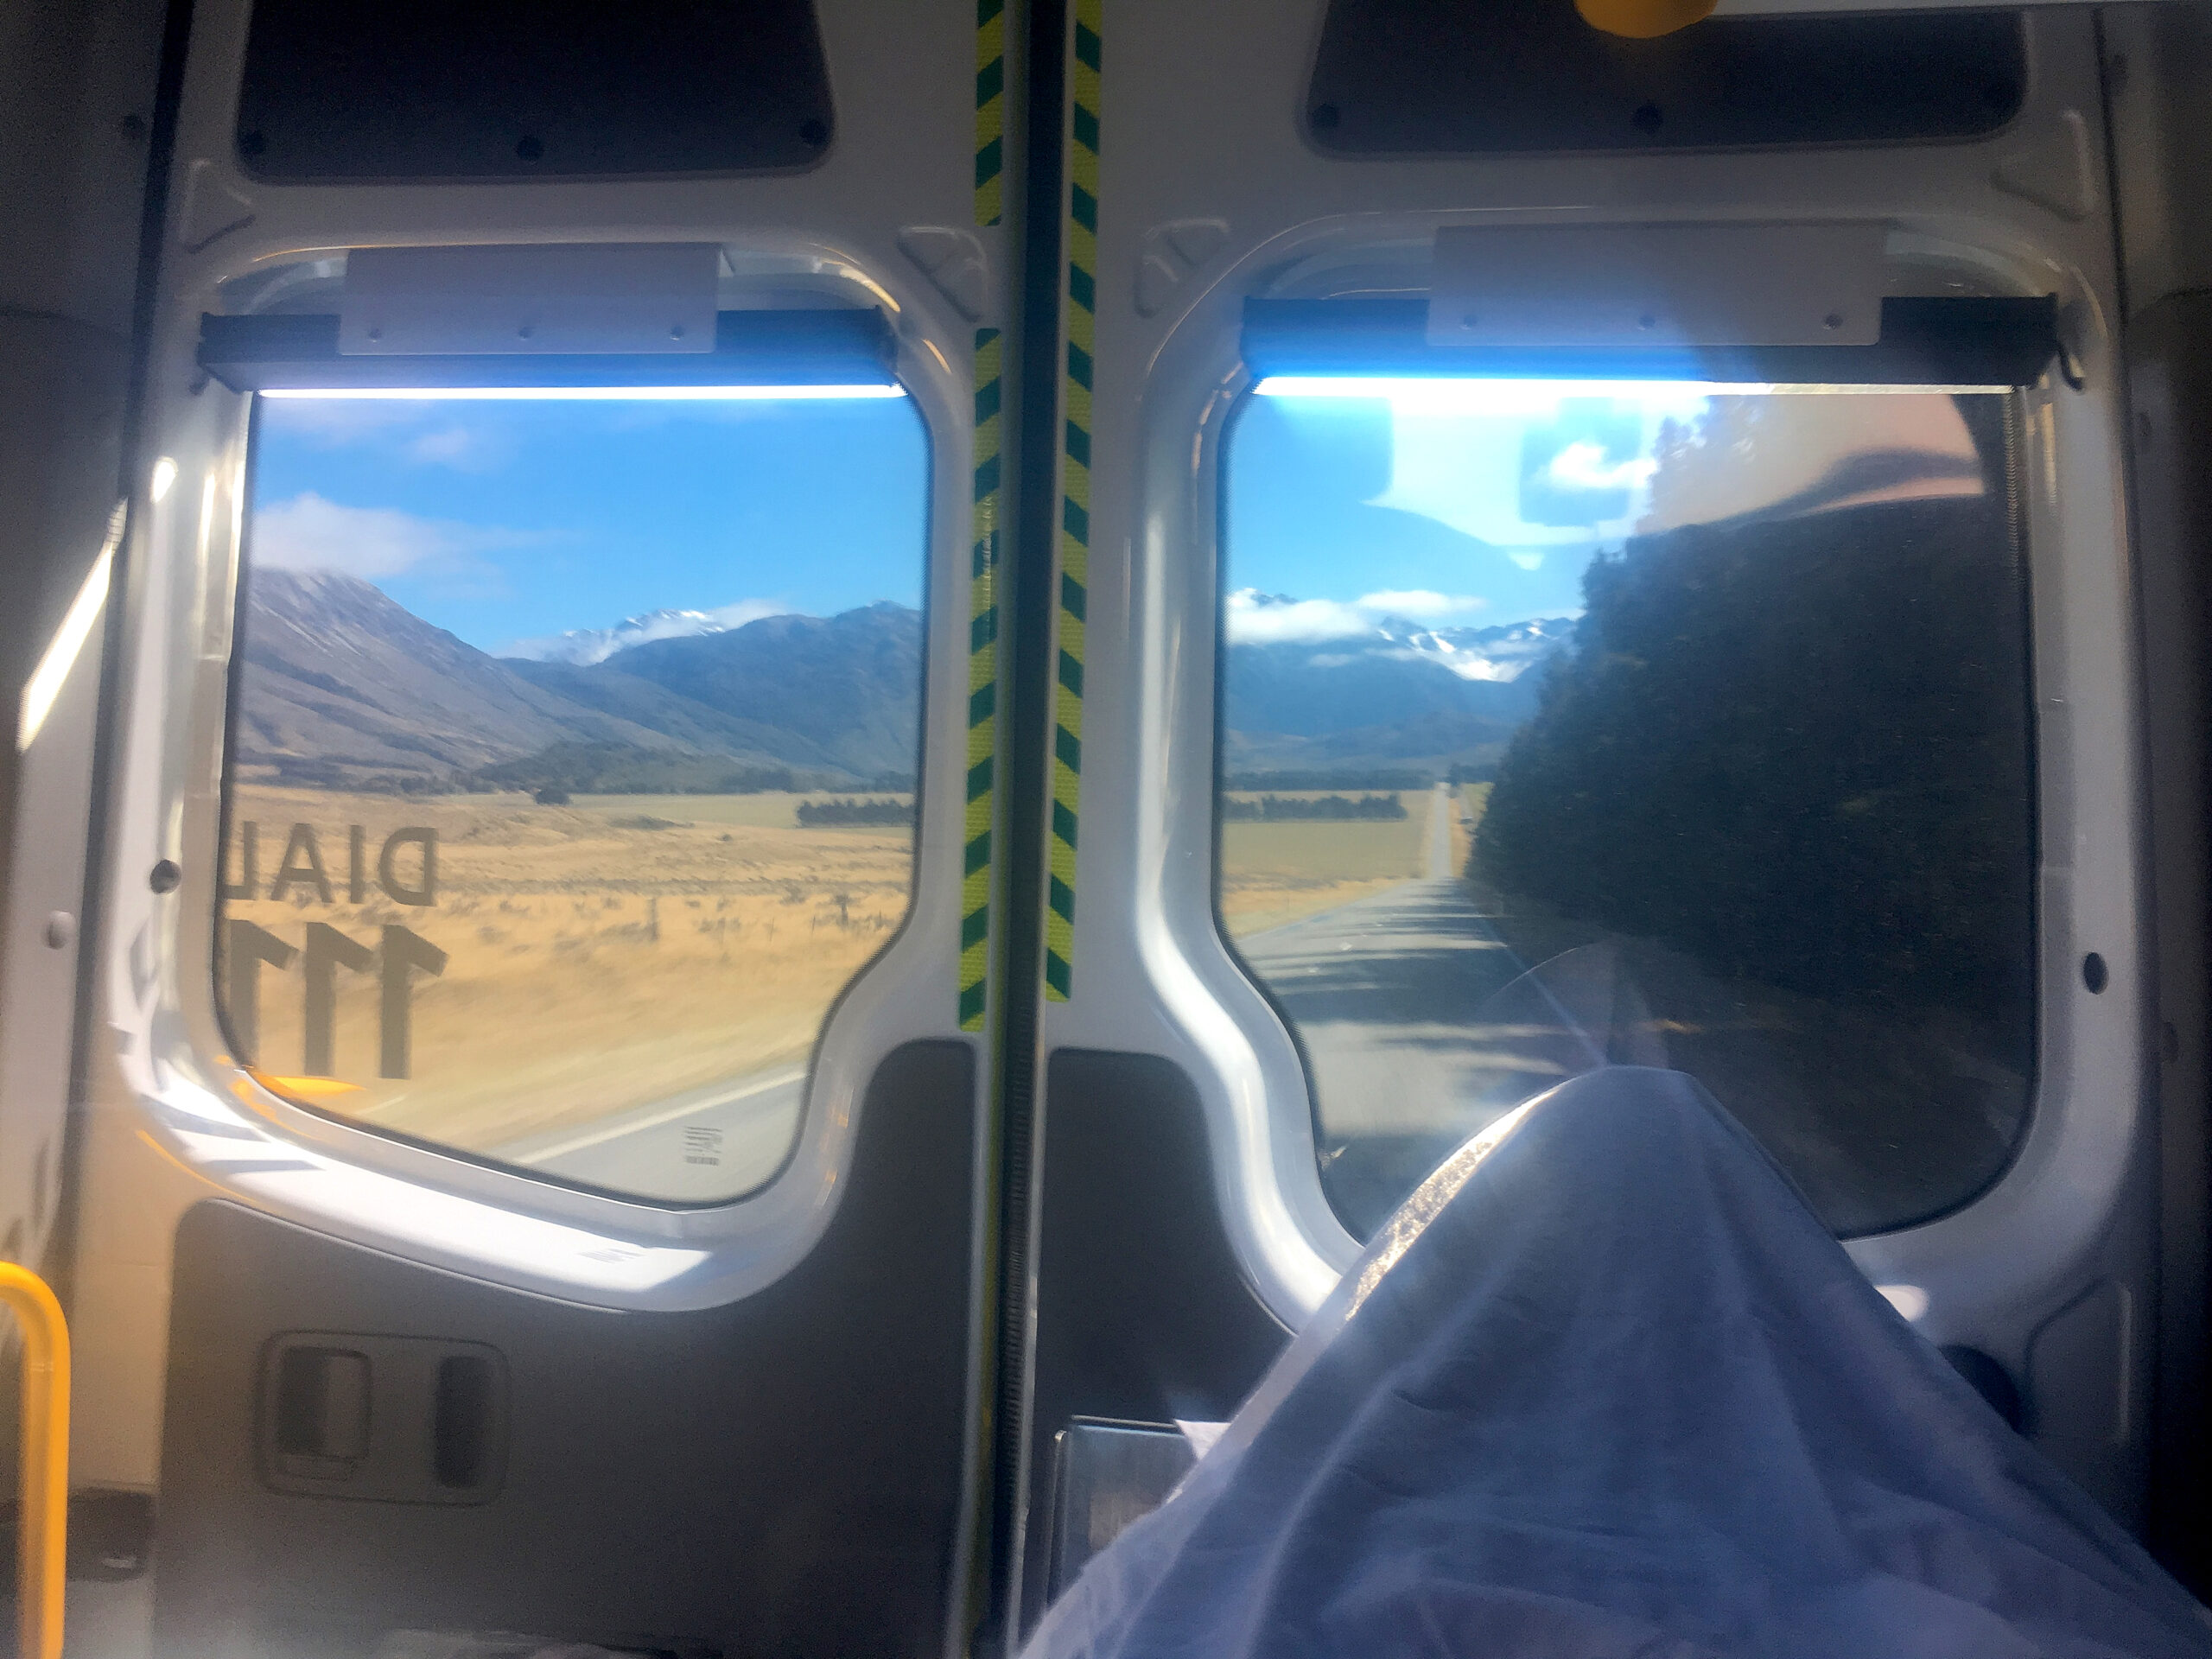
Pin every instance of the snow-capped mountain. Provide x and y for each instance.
(1318, 683)
(1497, 654)
(585, 646)
(1341, 632)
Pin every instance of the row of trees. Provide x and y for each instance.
(1282, 809)
(619, 769)
(1335, 777)
(1799, 749)
(814, 813)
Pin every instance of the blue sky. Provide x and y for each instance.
(509, 521)
(1481, 503)
(1466, 503)
(1364, 506)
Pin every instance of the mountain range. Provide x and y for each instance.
(1396, 690)
(345, 687)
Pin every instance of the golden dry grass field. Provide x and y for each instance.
(600, 956)
(1276, 873)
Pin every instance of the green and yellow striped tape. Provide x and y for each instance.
(1082, 330)
(990, 109)
(982, 688)
(983, 569)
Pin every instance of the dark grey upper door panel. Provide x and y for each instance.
(781, 1475)
(505, 89)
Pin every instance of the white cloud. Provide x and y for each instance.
(334, 421)
(461, 448)
(310, 533)
(1464, 470)
(426, 434)
(1583, 466)
(747, 610)
(1420, 602)
(1256, 620)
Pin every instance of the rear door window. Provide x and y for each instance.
(572, 767)
(1677, 725)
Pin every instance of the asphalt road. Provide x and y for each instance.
(713, 1142)
(1382, 993)
(1439, 833)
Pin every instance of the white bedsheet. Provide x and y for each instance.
(1606, 1389)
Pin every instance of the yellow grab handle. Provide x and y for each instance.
(1643, 20)
(44, 1527)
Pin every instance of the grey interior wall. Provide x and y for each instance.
(77, 86)
(2159, 82)
(2158, 77)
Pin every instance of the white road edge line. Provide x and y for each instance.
(631, 1126)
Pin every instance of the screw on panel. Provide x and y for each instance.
(164, 876)
(60, 929)
(2095, 975)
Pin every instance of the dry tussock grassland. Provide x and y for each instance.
(601, 956)
(619, 950)
(1272, 874)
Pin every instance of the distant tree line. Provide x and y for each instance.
(1279, 809)
(619, 769)
(1355, 777)
(1800, 750)
(299, 771)
(813, 813)
(552, 775)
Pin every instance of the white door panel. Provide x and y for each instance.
(2021, 212)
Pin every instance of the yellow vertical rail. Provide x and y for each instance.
(44, 1527)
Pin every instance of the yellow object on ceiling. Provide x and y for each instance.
(1643, 20)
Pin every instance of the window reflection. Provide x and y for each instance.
(1706, 710)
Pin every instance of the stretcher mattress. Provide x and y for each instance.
(1606, 1388)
